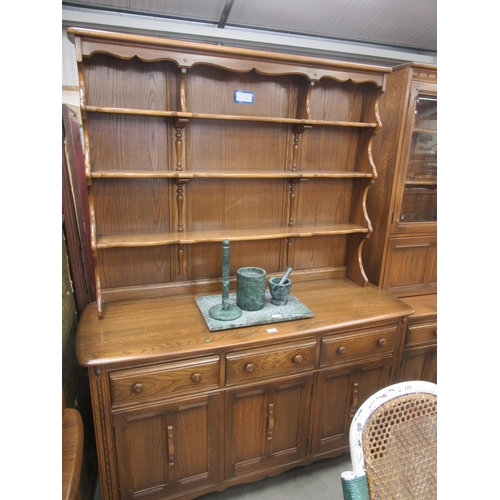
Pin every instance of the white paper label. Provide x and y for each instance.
(243, 97)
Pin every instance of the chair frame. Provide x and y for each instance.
(371, 405)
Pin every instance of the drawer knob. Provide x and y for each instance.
(196, 377)
(381, 342)
(137, 388)
(435, 333)
(342, 350)
(298, 358)
(249, 367)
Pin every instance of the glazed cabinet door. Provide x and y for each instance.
(416, 209)
(167, 449)
(267, 425)
(339, 394)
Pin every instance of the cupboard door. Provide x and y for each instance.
(411, 266)
(419, 364)
(267, 425)
(167, 449)
(340, 393)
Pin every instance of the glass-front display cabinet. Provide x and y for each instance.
(418, 195)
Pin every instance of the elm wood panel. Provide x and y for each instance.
(133, 206)
(204, 260)
(232, 204)
(411, 262)
(339, 394)
(211, 90)
(171, 327)
(327, 149)
(266, 425)
(113, 82)
(121, 267)
(419, 364)
(180, 286)
(218, 145)
(323, 201)
(431, 270)
(265, 362)
(128, 143)
(317, 252)
(168, 449)
(371, 342)
(132, 386)
(335, 101)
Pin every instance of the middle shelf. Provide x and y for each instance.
(191, 237)
(246, 174)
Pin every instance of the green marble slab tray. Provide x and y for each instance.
(270, 313)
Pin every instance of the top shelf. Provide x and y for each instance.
(215, 116)
(187, 55)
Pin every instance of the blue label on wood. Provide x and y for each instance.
(243, 97)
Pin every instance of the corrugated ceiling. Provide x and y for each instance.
(392, 23)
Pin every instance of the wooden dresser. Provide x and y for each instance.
(180, 411)
(187, 145)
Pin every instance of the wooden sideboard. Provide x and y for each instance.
(187, 145)
(180, 411)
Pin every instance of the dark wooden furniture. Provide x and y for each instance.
(419, 360)
(180, 411)
(187, 145)
(401, 254)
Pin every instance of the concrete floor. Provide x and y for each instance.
(318, 481)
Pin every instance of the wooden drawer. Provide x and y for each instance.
(268, 361)
(343, 348)
(425, 334)
(166, 380)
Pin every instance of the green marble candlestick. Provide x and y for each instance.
(225, 311)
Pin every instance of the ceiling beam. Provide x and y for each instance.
(225, 14)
